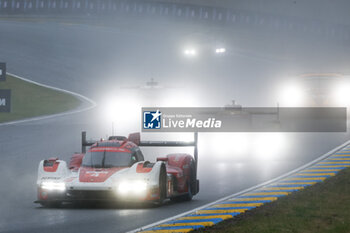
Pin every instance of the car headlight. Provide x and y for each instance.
(291, 95)
(132, 187)
(53, 186)
(341, 95)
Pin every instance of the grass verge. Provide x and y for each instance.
(31, 100)
(323, 207)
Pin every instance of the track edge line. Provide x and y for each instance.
(93, 104)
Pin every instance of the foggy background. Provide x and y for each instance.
(110, 51)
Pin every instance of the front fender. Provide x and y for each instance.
(57, 172)
(147, 172)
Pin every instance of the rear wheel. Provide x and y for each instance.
(191, 183)
(190, 187)
(185, 197)
(189, 195)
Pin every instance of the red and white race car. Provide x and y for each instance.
(115, 170)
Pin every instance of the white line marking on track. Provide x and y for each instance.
(74, 111)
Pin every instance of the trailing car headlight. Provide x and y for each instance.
(341, 95)
(53, 186)
(132, 187)
(291, 95)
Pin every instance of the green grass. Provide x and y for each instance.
(30, 100)
(322, 208)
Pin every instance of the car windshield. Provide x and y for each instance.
(108, 159)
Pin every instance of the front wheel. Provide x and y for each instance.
(162, 185)
(51, 204)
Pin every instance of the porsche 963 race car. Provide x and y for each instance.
(115, 170)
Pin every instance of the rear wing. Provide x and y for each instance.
(85, 143)
(135, 137)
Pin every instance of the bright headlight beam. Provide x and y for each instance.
(119, 111)
(291, 95)
(123, 188)
(53, 186)
(132, 187)
(220, 50)
(190, 52)
(341, 95)
(269, 146)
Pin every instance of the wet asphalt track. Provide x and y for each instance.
(88, 60)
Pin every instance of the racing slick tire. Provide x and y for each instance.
(162, 185)
(190, 187)
(189, 195)
(191, 184)
(185, 197)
